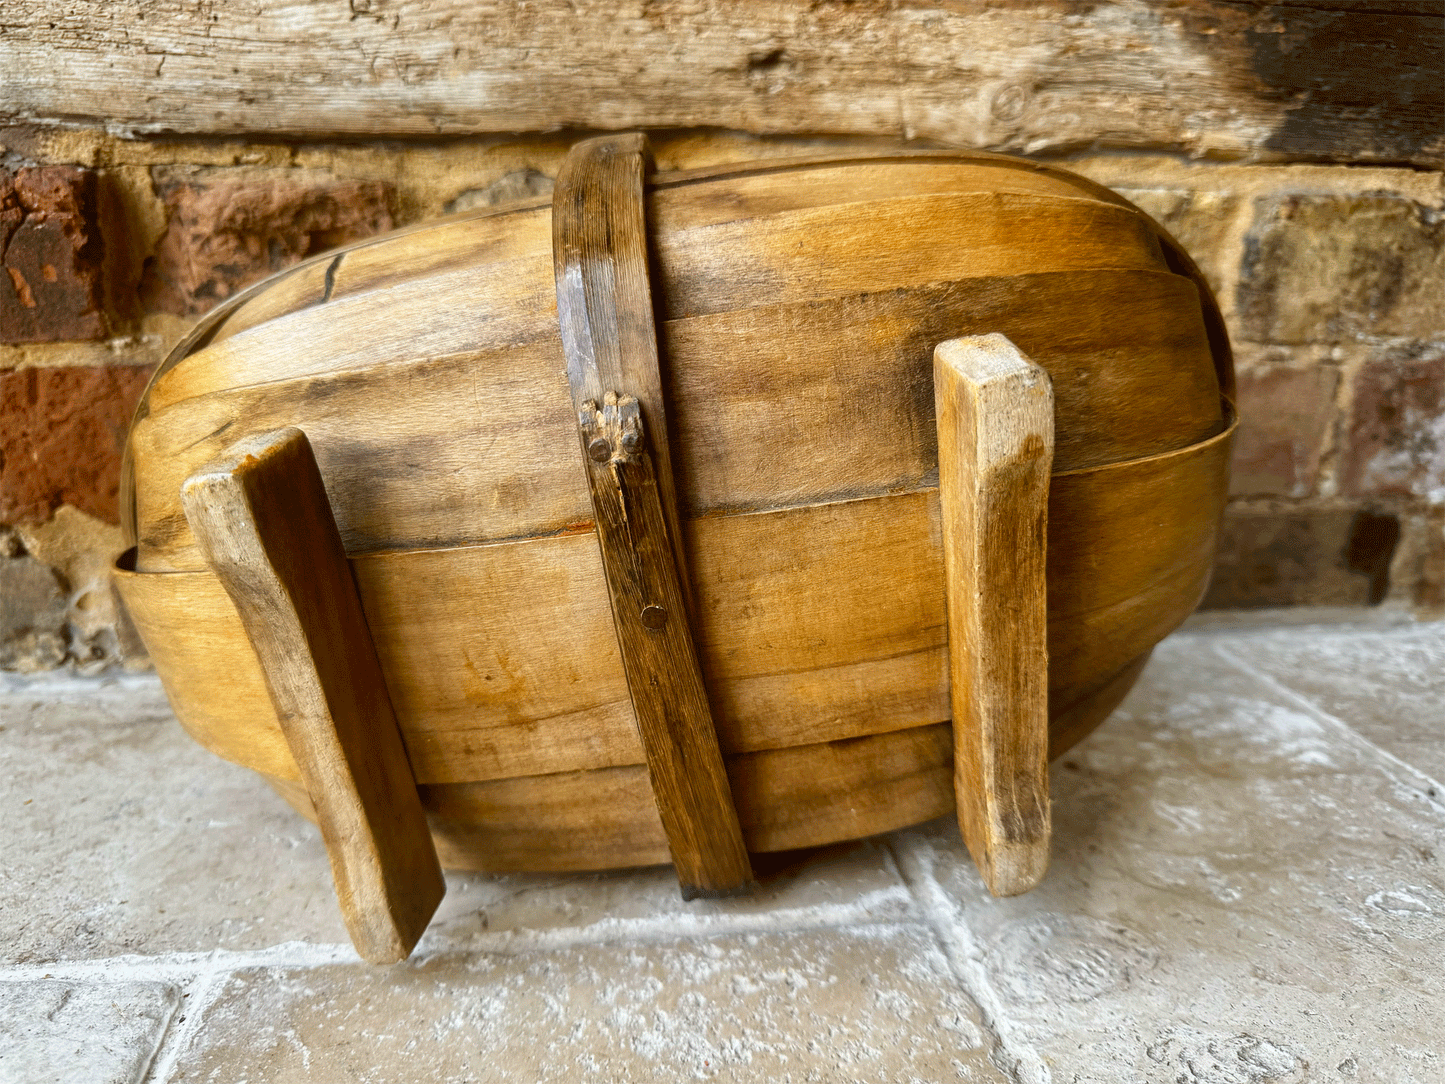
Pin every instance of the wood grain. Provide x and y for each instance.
(807, 796)
(604, 309)
(417, 457)
(797, 389)
(815, 623)
(492, 286)
(659, 658)
(687, 199)
(995, 450)
(264, 522)
(1284, 80)
(1072, 722)
(386, 303)
(606, 819)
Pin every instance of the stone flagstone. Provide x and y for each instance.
(1238, 896)
(81, 1032)
(122, 835)
(1246, 889)
(1387, 684)
(865, 1004)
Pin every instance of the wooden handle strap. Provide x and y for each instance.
(604, 306)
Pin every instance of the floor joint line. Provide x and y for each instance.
(182, 968)
(205, 989)
(1430, 788)
(964, 958)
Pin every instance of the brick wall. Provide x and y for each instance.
(1331, 274)
(1332, 280)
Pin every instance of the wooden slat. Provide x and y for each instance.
(810, 795)
(604, 309)
(606, 819)
(1291, 79)
(419, 454)
(487, 281)
(1161, 522)
(695, 198)
(412, 452)
(405, 321)
(995, 450)
(479, 239)
(814, 624)
(705, 197)
(1074, 721)
(816, 252)
(392, 259)
(790, 798)
(659, 657)
(263, 520)
(805, 796)
(845, 384)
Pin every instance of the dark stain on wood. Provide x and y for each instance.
(1368, 81)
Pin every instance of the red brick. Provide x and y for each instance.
(1395, 433)
(51, 251)
(1302, 557)
(228, 228)
(1429, 592)
(61, 436)
(1284, 418)
(33, 607)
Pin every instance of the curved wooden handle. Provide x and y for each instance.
(604, 307)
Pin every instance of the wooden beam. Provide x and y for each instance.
(995, 451)
(1327, 79)
(604, 308)
(263, 521)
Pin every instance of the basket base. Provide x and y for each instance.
(605, 819)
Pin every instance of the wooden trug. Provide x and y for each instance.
(775, 323)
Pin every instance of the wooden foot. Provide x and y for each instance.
(995, 451)
(604, 308)
(263, 521)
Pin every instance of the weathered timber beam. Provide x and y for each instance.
(1328, 80)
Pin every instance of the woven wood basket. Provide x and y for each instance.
(796, 310)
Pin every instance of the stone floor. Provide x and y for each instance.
(1246, 888)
